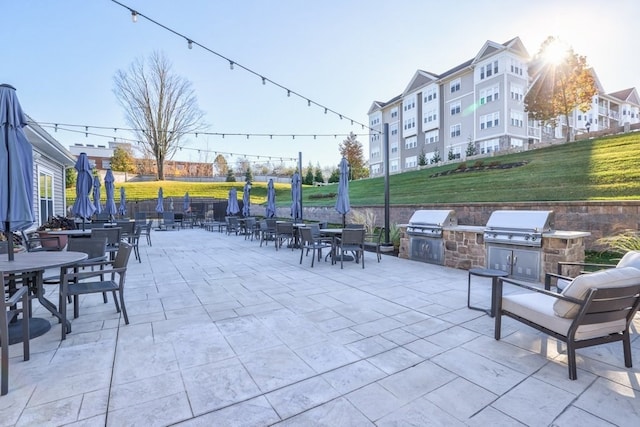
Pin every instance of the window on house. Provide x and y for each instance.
(431, 137)
(455, 108)
(454, 86)
(46, 196)
(411, 143)
(517, 119)
(455, 130)
(411, 162)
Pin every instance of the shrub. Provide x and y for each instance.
(462, 166)
(323, 196)
(494, 163)
(627, 240)
(478, 164)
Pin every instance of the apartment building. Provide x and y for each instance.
(608, 110)
(479, 102)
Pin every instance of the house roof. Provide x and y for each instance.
(43, 142)
(420, 79)
(629, 95)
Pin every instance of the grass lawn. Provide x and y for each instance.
(603, 169)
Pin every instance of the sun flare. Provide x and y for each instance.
(555, 52)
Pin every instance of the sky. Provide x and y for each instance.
(343, 54)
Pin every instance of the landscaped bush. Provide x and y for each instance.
(462, 166)
(323, 196)
(478, 164)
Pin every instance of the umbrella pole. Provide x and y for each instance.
(7, 223)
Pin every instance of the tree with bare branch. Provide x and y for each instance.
(160, 105)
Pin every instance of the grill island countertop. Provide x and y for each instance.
(430, 222)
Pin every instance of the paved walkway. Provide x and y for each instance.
(225, 332)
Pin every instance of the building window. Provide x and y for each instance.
(46, 196)
(454, 86)
(516, 67)
(431, 137)
(455, 108)
(410, 123)
(394, 148)
(431, 94)
(430, 115)
(489, 120)
(517, 119)
(489, 95)
(411, 142)
(517, 92)
(411, 162)
(393, 166)
(394, 113)
(106, 163)
(489, 146)
(455, 130)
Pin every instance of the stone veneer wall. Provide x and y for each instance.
(464, 249)
(565, 250)
(600, 218)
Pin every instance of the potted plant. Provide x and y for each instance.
(56, 223)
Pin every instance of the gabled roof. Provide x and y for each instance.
(455, 69)
(490, 48)
(420, 79)
(629, 95)
(378, 105)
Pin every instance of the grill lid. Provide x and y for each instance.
(434, 218)
(535, 221)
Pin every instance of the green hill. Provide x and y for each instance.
(599, 169)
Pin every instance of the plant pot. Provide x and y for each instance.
(52, 243)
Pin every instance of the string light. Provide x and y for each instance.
(308, 103)
(264, 81)
(190, 44)
(87, 128)
(134, 17)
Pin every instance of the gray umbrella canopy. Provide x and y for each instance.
(109, 188)
(96, 194)
(186, 205)
(270, 212)
(232, 205)
(296, 192)
(16, 167)
(246, 202)
(342, 203)
(159, 206)
(122, 209)
(82, 207)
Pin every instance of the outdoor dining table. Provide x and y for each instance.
(34, 264)
(334, 233)
(71, 233)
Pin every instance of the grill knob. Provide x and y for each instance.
(533, 238)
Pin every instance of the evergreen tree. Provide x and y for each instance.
(318, 175)
(248, 176)
(422, 158)
(450, 155)
(471, 149)
(436, 157)
(335, 176)
(230, 175)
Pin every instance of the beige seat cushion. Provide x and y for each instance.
(538, 308)
(579, 287)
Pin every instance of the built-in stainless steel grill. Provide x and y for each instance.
(514, 239)
(523, 228)
(425, 234)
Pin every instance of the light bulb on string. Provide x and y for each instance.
(325, 111)
(231, 65)
(308, 103)
(288, 93)
(264, 81)
(190, 44)
(134, 16)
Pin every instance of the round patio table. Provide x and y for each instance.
(35, 263)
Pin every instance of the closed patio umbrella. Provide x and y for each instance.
(16, 168)
(82, 207)
(296, 192)
(343, 205)
(186, 206)
(232, 205)
(246, 201)
(96, 194)
(270, 212)
(109, 188)
(159, 206)
(122, 209)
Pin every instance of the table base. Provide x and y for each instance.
(37, 327)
